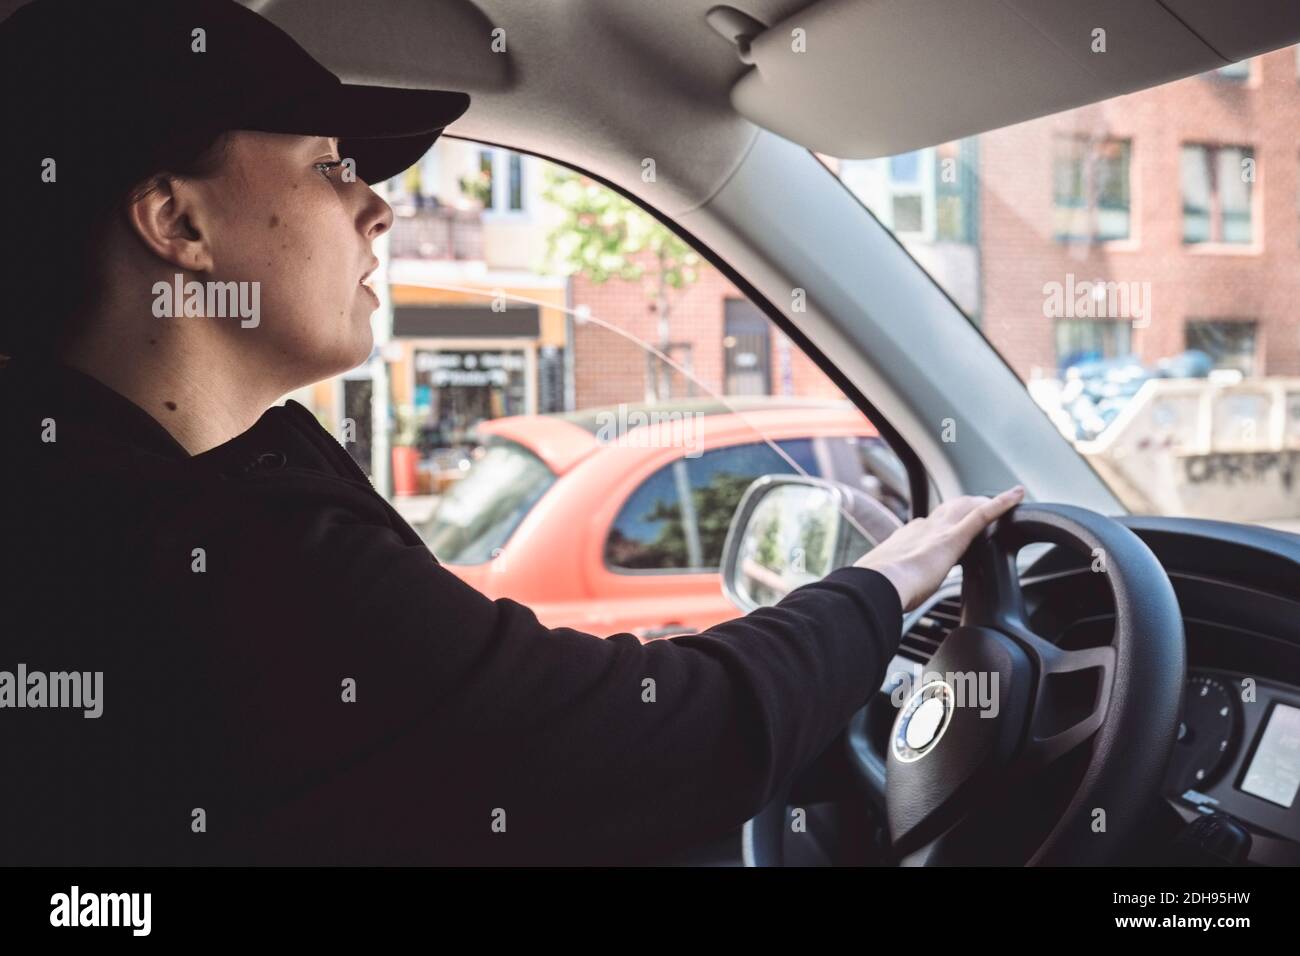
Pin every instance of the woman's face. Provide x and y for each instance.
(278, 218)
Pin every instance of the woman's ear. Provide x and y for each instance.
(169, 219)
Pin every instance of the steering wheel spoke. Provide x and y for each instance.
(1072, 691)
(990, 589)
(1073, 695)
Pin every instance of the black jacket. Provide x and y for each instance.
(228, 598)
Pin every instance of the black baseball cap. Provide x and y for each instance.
(97, 95)
(98, 85)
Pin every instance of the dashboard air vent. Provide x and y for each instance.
(927, 633)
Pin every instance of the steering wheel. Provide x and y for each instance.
(1008, 736)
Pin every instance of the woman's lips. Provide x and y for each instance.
(364, 281)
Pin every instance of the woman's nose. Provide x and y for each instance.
(377, 215)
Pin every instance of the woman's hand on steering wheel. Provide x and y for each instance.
(918, 556)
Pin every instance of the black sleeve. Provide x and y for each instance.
(480, 736)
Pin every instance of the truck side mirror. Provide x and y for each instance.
(790, 530)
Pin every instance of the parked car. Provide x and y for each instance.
(601, 535)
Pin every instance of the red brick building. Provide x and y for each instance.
(1188, 191)
(729, 346)
(1179, 206)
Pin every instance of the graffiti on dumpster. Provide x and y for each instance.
(1255, 467)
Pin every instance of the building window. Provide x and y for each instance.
(1091, 340)
(515, 197)
(501, 181)
(954, 191)
(1091, 196)
(1217, 183)
(927, 195)
(907, 192)
(1238, 72)
(1230, 343)
(485, 166)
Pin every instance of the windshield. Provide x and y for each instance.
(477, 515)
(1137, 264)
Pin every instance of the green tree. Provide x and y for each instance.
(715, 504)
(814, 539)
(768, 552)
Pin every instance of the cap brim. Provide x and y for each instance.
(383, 158)
(384, 129)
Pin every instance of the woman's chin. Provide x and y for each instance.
(344, 356)
(360, 353)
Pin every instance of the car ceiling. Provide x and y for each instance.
(600, 84)
(923, 72)
(607, 84)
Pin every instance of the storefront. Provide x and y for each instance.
(463, 364)
(456, 384)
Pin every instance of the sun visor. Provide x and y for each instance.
(865, 78)
(418, 44)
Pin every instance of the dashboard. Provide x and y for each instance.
(1238, 751)
(1238, 744)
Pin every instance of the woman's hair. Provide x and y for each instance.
(52, 240)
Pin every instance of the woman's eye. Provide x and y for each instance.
(325, 168)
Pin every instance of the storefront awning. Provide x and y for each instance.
(466, 321)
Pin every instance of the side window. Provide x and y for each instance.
(883, 476)
(678, 518)
(532, 309)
